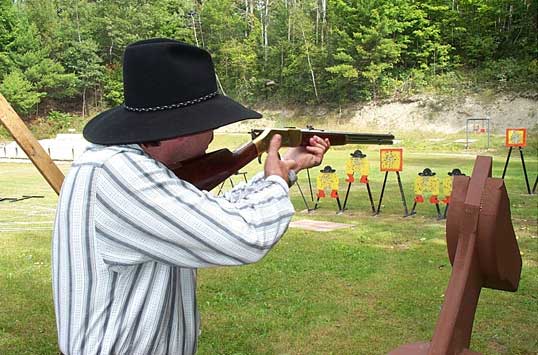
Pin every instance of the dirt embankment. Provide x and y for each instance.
(421, 112)
(449, 116)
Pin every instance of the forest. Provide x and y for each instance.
(66, 54)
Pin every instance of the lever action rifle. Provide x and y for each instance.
(209, 170)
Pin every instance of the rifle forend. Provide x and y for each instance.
(209, 170)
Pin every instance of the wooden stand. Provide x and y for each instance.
(30, 145)
(483, 250)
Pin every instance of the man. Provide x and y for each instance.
(129, 235)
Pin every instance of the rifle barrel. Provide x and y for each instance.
(370, 138)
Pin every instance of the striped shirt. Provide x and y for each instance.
(128, 238)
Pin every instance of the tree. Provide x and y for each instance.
(377, 49)
(82, 59)
(49, 76)
(309, 50)
(8, 22)
(343, 76)
(20, 92)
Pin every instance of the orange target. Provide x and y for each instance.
(391, 159)
(516, 137)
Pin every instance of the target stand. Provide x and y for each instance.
(426, 181)
(231, 181)
(404, 203)
(358, 163)
(391, 159)
(524, 170)
(328, 180)
(478, 128)
(437, 208)
(369, 196)
(308, 209)
(517, 137)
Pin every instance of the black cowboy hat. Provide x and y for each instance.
(427, 172)
(456, 172)
(170, 91)
(327, 169)
(358, 154)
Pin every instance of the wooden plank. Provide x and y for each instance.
(30, 145)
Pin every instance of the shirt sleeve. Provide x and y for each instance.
(243, 189)
(143, 212)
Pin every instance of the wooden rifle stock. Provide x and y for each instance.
(209, 170)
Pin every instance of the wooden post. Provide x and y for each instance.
(30, 145)
(483, 250)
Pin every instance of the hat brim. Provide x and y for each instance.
(121, 126)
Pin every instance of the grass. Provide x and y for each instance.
(362, 290)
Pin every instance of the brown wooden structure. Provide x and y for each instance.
(483, 250)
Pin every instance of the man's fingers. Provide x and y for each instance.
(274, 145)
(318, 145)
(320, 142)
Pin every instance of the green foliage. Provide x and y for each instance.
(8, 21)
(237, 59)
(81, 58)
(310, 51)
(26, 54)
(25, 50)
(113, 86)
(20, 92)
(450, 84)
(344, 74)
(345, 71)
(509, 73)
(60, 121)
(50, 77)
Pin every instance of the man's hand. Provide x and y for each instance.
(309, 156)
(273, 164)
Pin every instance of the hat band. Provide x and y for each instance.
(172, 106)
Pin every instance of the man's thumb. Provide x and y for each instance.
(274, 144)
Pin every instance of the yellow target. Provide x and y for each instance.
(357, 163)
(447, 184)
(426, 182)
(327, 180)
